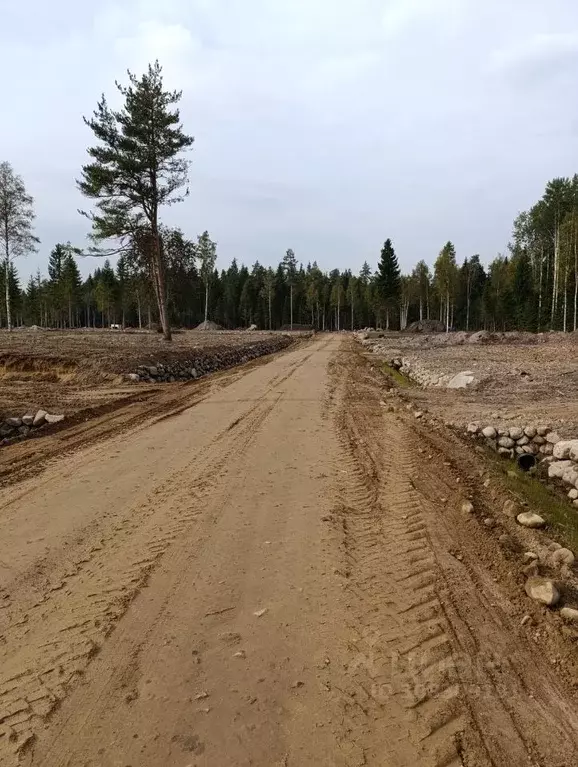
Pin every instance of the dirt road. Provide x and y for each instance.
(272, 576)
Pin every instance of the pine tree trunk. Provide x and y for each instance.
(447, 311)
(160, 287)
(387, 318)
(291, 290)
(269, 297)
(420, 308)
(207, 301)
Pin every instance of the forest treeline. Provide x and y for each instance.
(163, 276)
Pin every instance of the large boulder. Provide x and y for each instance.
(565, 448)
(557, 469)
(489, 432)
(54, 418)
(461, 380)
(39, 418)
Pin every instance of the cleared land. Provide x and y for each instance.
(69, 371)
(269, 567)
(520, 378)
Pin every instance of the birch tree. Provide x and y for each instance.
(16, 224)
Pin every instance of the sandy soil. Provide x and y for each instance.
(519, 382)
(64, 371)
(263, 568)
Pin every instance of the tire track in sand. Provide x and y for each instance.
(438, 677)
(401, 674)
(47, 644)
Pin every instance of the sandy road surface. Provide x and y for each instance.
(265, 578)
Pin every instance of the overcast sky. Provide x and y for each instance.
(321, 125)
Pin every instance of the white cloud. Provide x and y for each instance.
(534, 50)
(400, 16)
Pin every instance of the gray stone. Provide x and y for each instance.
(570, 475)
(14, 422)
(523, 441)
(39, 418)
(507, 442)
(133, 377)
(563, 557)
(468, 507)
(461, 380)
(489, 522)
(28, 419)
(569, 614)
(543, 590)
(489, 432)
(547, 449)
(563, 448)
(24, 430)
(516, 433)
(54, 418)
(573, 494)
(557, 469)
(510, 508)
(529, 556)
(472, 428)
(541, 431)
(530, 432)
(538, 440)
(503, 451)
(552, 437)
(153, 371)
(529, 519)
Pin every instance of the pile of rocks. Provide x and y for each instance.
(206, 361)
(561, 455)
(426, 377)
(15, 428)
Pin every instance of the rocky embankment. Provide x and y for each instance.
(546, 445)
(201, 362)
(15, 428)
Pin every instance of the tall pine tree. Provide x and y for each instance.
(136, 168)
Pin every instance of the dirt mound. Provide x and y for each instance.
(208, 325)
(426, 326)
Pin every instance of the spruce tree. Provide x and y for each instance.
(388, 282)
(136, 168)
